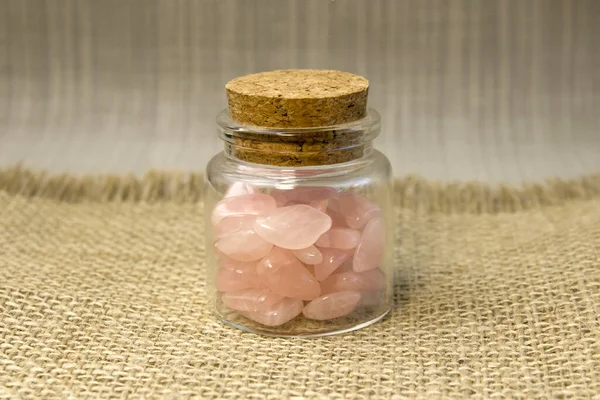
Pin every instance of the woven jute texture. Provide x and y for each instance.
(102, 295)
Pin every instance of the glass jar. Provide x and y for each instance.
(298, 206)
(300, 250)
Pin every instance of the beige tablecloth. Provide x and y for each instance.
(102, 295)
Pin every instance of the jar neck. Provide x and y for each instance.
(299, 147)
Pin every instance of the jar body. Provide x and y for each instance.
(299, 251)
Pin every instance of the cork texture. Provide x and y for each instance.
(103, 295)
(297, 98)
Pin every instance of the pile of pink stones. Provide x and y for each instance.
(309, 250)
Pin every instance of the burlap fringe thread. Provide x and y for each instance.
(412, 192)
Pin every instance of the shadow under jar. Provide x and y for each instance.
(299, 218)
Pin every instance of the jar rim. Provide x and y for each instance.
(369, 125)
(321, 145)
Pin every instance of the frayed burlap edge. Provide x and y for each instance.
(411, 192)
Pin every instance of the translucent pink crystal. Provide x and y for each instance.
(332, 305)
(294, 227)
(279, 196)
(346, 266)
(355, 281)
(306, 194)
(251, 299)
(332, 259)
(239, 189)
(234, 223)
(310, 255)
(285, 275)
(338, 220)
(278, 314)
(340, 238)
(248, 204)
(320, 205)
(369, 252)
(356, 209)
(276, 259)
(233, 276)
(244, 246)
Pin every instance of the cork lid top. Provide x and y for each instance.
(299, 84)
(298, 98)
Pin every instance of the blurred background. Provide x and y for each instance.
(490, 90)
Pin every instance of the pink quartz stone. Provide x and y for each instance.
(295, 227)
(276, 259)
(355, 281)
(338, 220)
(340, 238)
(251, 300)
(332, 259)
(306, 194)
(285, 275)
(239, 189)
(346, 266)
(369, 252)
(233, 276)
(244, 246)
(356, 209)
(310, 255)
(234, 223)
(279, 196)
(248, 204)
(320, 205)
(332, 305)
(278, 314)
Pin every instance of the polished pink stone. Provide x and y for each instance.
(350, 252)
(294, 227)
(310, 255)
(306, 194)
(279, 196)
(278, 314)
(356, 281)
(274, 260)
(346, 265)
(340, 238)
(234, 223)
(369, 252)
(251, 299)
(233, 276)
(332, 259)
(239, 189)
(320, 205)
(356, 209)
(248, 204)
(332, 305)
(338, 220)
(244, 246)
(285, 275)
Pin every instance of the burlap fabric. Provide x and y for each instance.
(102, 296)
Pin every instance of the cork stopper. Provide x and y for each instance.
(297, 98)
(300, 103)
